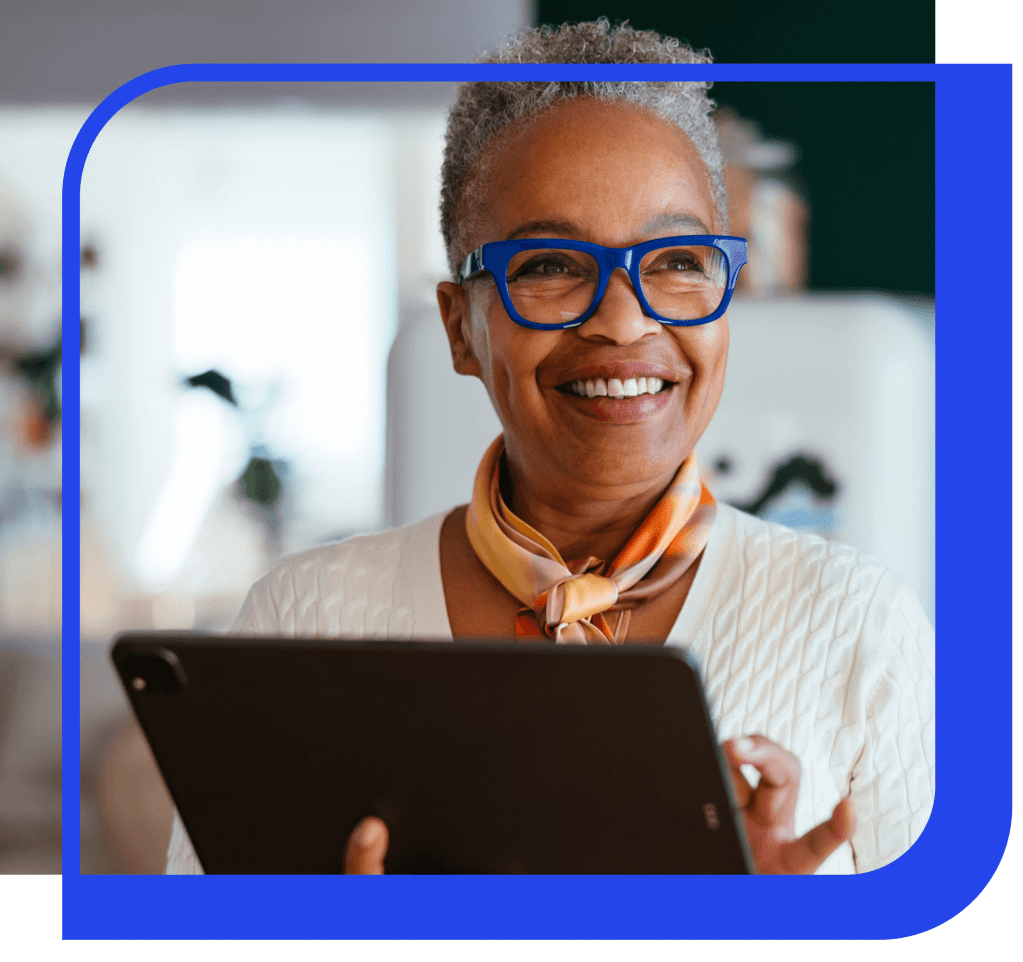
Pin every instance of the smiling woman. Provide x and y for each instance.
(591, 272)
(587, 471)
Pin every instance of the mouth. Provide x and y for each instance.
(616, 389)
(618, 400)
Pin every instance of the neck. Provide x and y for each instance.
(582, 522)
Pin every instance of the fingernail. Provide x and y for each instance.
(744, 745)
(368, 833)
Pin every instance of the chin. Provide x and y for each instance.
(620, 461)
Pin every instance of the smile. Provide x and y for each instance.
(615, 388)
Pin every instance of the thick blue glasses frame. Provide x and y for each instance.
(494, 257)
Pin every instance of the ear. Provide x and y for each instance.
(454, 311)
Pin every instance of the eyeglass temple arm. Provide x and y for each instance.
(473, 264)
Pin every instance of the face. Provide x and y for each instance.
(611, 175)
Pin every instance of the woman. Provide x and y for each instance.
(604, 378)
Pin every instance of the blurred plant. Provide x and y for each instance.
(40, 370)
(262, 482)
(11, 263)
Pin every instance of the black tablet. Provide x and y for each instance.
(480, 757)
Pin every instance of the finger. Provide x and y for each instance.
(743, 789)
(805, 855)
(777, 766)
(367, 848)
(774, 799)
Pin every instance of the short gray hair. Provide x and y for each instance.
(485, 108)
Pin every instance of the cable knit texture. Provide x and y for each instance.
(810, 643)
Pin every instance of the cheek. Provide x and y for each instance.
(509, 355)
(478, 334)
(716, 361)
(495, 350)
(717, 350)
(706, 349)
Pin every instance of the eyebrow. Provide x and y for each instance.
(545, 228)
(665, 221)
(563, 228)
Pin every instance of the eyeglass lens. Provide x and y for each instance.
(556, 285)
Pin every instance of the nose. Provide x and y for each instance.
(619, 317)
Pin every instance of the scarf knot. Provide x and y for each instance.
(566, 601)
(577, 598)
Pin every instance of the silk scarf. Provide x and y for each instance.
(567, 601)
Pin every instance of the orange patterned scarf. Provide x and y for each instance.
(566, 601)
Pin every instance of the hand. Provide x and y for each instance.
(769, 811)
(367, 848)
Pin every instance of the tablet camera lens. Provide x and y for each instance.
(152, 672)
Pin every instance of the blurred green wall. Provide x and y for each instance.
(867, 149)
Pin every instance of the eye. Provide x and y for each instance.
(547, 265)
(676, 260)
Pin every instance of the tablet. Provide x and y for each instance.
(480, 757)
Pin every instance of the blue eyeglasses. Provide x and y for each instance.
(551, 285)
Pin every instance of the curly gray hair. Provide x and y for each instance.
(484, 109)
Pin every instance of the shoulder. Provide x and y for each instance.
(378, 550)
(762, 549)
(347, 587)
(789, 575)
(756, 537)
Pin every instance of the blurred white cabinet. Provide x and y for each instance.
(439, 423)
(833, 390)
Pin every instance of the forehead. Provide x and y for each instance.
(610, 173)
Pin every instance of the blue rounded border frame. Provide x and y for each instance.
(966, 836)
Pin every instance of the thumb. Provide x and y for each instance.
(367, 847)
(805, 855)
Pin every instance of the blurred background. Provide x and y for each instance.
(263, 369)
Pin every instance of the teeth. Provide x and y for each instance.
(632, 387)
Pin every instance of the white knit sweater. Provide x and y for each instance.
(810, 643)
